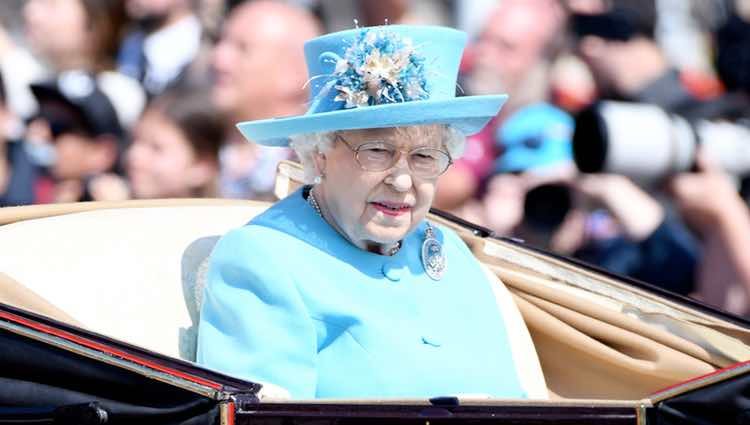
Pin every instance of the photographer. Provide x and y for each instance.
(708, 201)
(672, 138)
(616, 39)
(605, 219)
(655, 133)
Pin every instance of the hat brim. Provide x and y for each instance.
(466, 114)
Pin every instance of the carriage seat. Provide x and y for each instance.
(133, 274)
(137, 274)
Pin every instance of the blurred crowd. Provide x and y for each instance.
(625, 141)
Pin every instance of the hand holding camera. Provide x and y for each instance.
(708, 197)
(636, 211)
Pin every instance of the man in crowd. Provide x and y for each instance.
(618, 45)
(616, 39)
(513, 55)
(260, 73)
(163, 47)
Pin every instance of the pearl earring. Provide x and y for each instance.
(317, 180)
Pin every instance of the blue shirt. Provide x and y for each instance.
(291, 302)
(20, 188)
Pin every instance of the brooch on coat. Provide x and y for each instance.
(433, 256)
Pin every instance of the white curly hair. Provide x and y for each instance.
(306, 146)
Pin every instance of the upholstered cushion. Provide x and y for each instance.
(132, 274)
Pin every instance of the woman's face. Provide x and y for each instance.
(379, 207)
(161, 162)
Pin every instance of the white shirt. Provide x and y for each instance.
(169, 50)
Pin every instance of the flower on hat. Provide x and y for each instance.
(379, 67)
(352, 98)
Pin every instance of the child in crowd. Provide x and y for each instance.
(80, 129)
(175, 148)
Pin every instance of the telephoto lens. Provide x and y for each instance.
(646, 143)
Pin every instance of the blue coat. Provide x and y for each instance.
(291, 302)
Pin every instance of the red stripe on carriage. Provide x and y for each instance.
(698, 378)
(108, 350)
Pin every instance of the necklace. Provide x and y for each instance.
(433, 256)
(313, 203)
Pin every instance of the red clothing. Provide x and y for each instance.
(479, 154)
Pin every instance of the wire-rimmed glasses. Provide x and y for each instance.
(378, 155)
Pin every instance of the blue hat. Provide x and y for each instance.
(387, 76)
(534, 137)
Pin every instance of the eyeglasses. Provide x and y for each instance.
(380, 156)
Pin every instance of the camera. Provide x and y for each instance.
(647, 143)
(546, 206)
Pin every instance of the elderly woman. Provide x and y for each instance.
(343, 289)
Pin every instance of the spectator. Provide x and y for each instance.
(708, 198)
(175, 149)
(340, 15)
(82, 117)
(20, 69)
(535, 146)
(515, 50)
(80, 36)
(732, 54)
(603, 219)
(710, 204)
(18, 174)
(611, 40)
(260, 73)
(513, 55)
(682, 30)
(74, 34)
(162, 49)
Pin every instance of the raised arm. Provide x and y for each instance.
(709, 202)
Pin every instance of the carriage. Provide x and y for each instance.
(100, 302)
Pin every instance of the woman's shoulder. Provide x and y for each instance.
(288, 226)
(249, 234)
(244, 247)
(281, 217)
(294, 217)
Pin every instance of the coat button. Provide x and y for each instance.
(391, 271)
